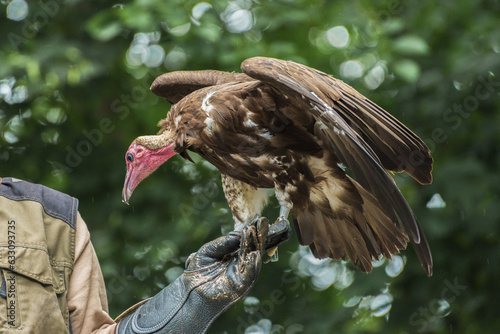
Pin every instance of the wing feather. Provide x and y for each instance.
(174, 86)
(365, 137)
(398, 148)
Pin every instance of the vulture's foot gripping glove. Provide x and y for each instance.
(218, 275)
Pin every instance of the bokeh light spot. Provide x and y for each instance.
(17, 10)
(338, 37)
(351, 69)
(381, 304)
(251, 305)
(436, 202)
(153, 56)
(239, 21)
(375, 77)
(394, 266)
(199, 9)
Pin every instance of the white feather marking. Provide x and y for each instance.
(267, 134)
(248, 123)
(279, 161)
(264, 133)
(205, 104)
(322, 125)
(328, 109)
(210, 124)
(339, 131)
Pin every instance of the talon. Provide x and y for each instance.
(279, 232)
(235, 233)
(257, 234)
(272, 255)
(188, 261)
(241, 266)
(243, 242)
(247, 244)
(281, 219)
(262, 232)
(254, 220)
(271, 252)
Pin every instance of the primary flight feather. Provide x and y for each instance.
(289, 127)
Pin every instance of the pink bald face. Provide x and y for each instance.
(141, 162)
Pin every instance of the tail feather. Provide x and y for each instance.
(354, 243)
(337, 229)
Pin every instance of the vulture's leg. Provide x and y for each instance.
(244, 200)
(246, 203)
(284, 212)
(281, 224)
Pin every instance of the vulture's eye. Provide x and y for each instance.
(130, 157)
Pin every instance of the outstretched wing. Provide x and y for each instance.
(174, 86)
(366, 138)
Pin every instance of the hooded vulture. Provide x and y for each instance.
(289, 127)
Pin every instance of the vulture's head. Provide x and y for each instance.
(143, 157)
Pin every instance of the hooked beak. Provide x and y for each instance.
(127, 191)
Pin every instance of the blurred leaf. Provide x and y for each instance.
(407, 70)
(411, 45)
(103, 26)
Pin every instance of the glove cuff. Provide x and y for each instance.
(181, 307)
(155, 314)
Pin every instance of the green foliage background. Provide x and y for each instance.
(86, 101)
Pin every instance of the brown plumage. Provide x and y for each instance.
(286, 126)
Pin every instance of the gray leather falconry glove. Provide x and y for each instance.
(218, 275)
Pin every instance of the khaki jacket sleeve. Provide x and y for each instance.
(87, 301)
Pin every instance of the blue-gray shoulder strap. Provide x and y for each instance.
(54, 203)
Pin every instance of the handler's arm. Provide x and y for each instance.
(87, 301)
(219, 274)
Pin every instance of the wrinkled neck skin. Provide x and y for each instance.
(158, 157)
(154, 156)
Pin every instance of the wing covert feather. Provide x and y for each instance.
(174, 86)
(397, 147)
